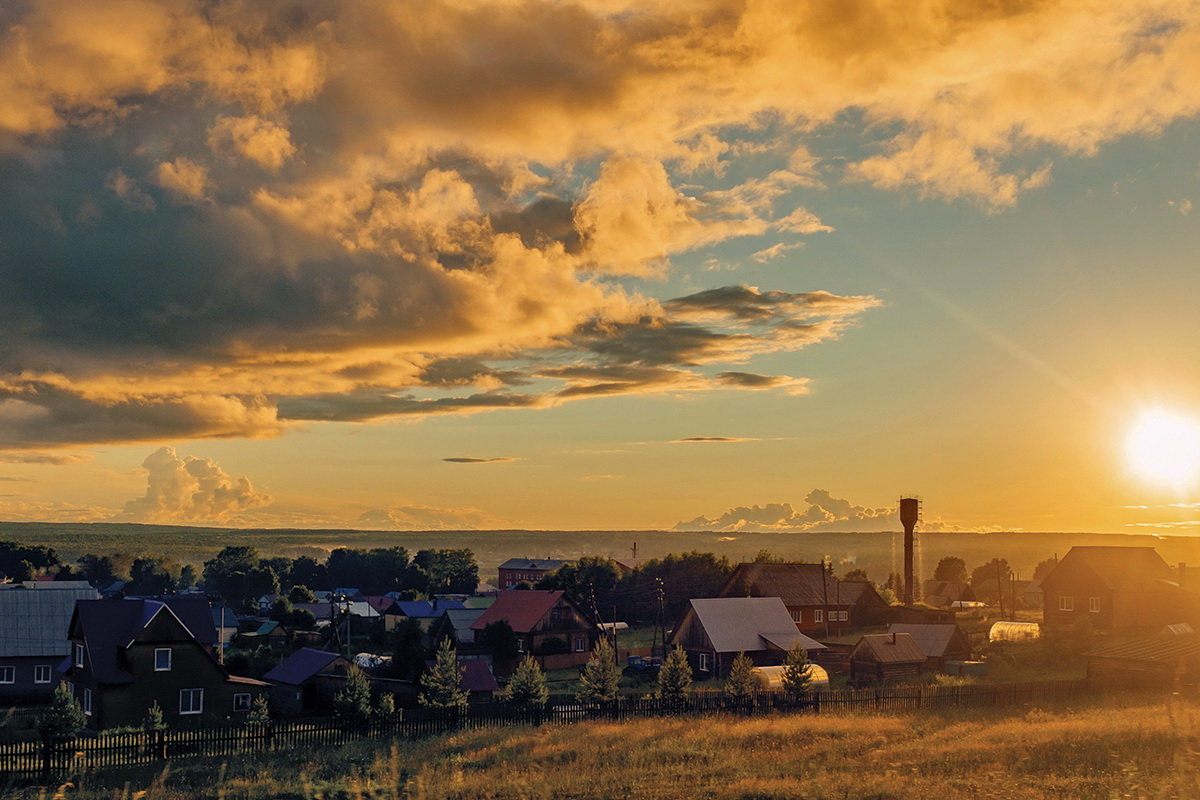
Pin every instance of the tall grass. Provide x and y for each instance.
(1102, 752)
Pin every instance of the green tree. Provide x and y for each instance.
(952, 569)
(600, 680)
(765, 556)
(675, 677)
(301, 594)
(796, 678)
(440, 685)
(353, 702)
(741, 683)
(408, 650)
(1044, 567)
(527, 687)
(64, 718)
(386, 707)
(154, 721)
(260, 712)
(500, 638)
(856, 574)
(187, 577)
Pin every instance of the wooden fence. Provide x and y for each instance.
(38, 761)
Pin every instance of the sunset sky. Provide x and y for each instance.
(437, 264)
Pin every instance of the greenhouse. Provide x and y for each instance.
(1014, 632)
(772, 678)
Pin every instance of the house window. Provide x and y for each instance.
(8, 674)
(819, 615)
(87, 702)
(191, 701)
(1066, 603)
(520, 644)
(78, 655)
(41, 673)
(797, 615)
(702, 661)
(241, 702)
(162, 659)
(1094, 605)
(580, 644)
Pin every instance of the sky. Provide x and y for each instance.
(599, 265)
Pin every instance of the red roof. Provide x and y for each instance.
(522, 609)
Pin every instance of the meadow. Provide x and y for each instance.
(878, 553)
(1104, 751)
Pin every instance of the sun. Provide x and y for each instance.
(1164, 448)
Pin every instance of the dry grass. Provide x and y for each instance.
(1150, 751)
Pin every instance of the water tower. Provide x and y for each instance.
(910, 515)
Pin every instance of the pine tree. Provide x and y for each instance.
(154, 722)
(386, 707)
(64, 718)
(439, 686)
(600, 680)
(353, 702)
(260, 712)
(741, 683)
(796, 678)
(675, 677)
(527, 687)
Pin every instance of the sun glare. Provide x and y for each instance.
(1164, 448)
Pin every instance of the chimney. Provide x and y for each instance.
(893, 637)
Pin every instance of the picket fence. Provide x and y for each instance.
(46, 762)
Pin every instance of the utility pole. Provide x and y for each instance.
(1000, 587)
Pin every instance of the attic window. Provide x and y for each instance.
(78, 655)
(162, 659)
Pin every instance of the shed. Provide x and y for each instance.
(885, 656)
(938, 641)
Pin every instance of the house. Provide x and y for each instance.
(547, 624)
(885, 657)
(476, 679)
(34, 617)
(525, 570)
(944, 594)
(1032, 597)
(425, 611)
(1164, 658)
(226, 623)
(126, 655)
(456, 623)
(1110, 588)
(306, 681)
(816, 600)
(715, 629)
(939, 642)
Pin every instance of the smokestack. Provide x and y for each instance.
(910, 513)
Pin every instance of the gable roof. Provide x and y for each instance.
(301, 665)
(749, 624)
(932, 638)
(1159, 647)
(461, 618)
(475, 675)
(795, 584)
(532, 563)
(109, 626)
(381, 603)
(888, 648)
(521, 609)
(34, 620)
(1118, 568)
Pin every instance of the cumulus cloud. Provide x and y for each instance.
(190, 489)
(822, 512)
(424, 518)
(249, 214)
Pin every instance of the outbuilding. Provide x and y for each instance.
(885, 657)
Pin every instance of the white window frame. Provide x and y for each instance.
(159, 651)
(521, 644)
(798, 615)
(1066, 602)
(1094, 605)
(79, 655)
(245, 703)
(702, 661)
(192, 707)
(580, 644)
(819, 615)
(8, 674)
(42, 669)
(87, 702)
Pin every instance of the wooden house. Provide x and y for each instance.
(715, 629)
(306, 681)
(126, 655)
(943, 594)
(1165, 658)
(34, 617)
(938, 642)
(525, 570)
(1110, 588)
(817, 601)
(547, 624)
(885, 657)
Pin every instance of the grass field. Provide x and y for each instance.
(1101, 753)
(878, 553)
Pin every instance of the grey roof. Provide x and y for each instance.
(931, 638)
(300, 666)
(797, 585)
(887, 648)
(532, 563)
(34, 620)
(749, 624)
(462, 618)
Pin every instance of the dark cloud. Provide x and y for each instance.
(687, 439)
(471, 460)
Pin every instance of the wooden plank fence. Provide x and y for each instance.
(38, 761)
